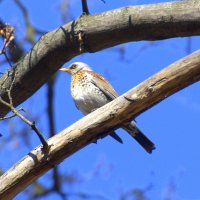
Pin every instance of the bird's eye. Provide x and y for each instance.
(73, 67)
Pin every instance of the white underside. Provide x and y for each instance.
(88, 98)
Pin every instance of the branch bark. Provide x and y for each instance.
(163, 84)
(134, 23)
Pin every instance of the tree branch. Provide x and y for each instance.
(11, 116)
(17, 113)
(7, 32)
(163, 84)
(85, 7)
(134, 23)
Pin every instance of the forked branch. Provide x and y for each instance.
(7, 33)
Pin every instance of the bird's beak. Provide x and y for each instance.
(65, 70)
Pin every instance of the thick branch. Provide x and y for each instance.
(149, 22)
(158, 87)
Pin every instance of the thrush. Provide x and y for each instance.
(90, 91)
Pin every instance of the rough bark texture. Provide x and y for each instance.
(158, 87)
(133, 23)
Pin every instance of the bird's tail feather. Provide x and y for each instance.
(135, 132)
(116, 137)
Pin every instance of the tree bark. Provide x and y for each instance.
(163, 84)
(91, 33)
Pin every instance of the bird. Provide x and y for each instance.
(91, 90)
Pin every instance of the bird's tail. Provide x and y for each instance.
(135, 132)
(113, 135)
(116, 137)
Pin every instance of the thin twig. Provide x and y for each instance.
(57, 182)
(11, 116)
(3, 48)
(31, 124)
(85, 7)
(10, 104)
(7, 59)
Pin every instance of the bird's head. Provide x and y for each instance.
(75, 67)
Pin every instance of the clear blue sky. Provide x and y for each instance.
(109, 168)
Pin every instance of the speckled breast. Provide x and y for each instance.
(86, 95)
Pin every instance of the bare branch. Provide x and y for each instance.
(173, 19)
(11, 116)
(57, 182)
(85, 7)
(163, 84)
(17, 113)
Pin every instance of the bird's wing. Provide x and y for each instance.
(100, 82)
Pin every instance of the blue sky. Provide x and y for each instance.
(109, 168)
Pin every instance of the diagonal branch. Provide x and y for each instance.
(134, 23)
(163, 84)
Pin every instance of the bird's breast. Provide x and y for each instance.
(87, 96)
